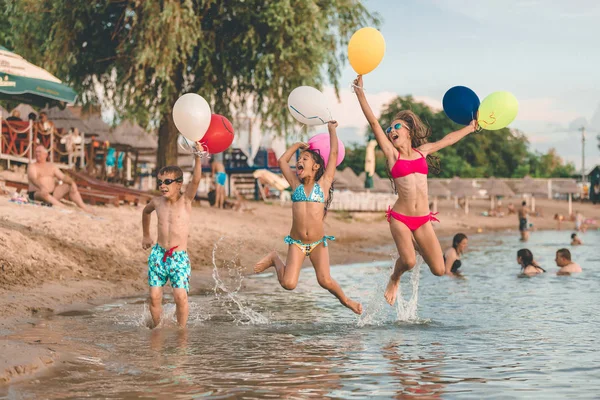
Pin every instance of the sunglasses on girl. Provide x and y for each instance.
(396, 127)
(168, 181)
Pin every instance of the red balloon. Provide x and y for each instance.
(219, 135)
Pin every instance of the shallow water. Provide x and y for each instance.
(490, 335)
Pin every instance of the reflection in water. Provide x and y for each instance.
(489, 334)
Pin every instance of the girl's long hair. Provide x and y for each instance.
(459, 237)
(419, 132)
(527, 259)
(316, 156)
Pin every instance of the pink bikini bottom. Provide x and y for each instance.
(413, 223)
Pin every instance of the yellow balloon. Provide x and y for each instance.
(365, 50)
(497, 111)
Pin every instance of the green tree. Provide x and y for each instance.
(143, 55)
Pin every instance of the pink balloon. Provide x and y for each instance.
(320, 142)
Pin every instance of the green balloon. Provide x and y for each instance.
(497, 111)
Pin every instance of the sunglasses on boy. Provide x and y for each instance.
(168, 181)
(396, 127)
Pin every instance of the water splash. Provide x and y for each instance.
(228, 276)
(378, 311)
(406, 311)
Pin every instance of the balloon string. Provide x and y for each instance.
(352, 86)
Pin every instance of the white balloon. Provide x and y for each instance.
(309, 106)
(191, 114)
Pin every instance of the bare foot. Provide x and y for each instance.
(354, 306)
(264, 263)
(391, 291)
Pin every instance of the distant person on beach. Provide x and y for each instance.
(563, 261)
(312, 186)
(44, 124)
(523, 223)
(575, 241)
(452, 255)
(528, 266)
(220, 177)
(15, 115)
(511, 209)
(409, 158)
(169, 260)
(580, 222)
(42, 176)
(559, 218)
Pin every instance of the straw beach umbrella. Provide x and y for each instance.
(496, 188)
(531, 187)
(457, 186)
(569, 188)
(436, 189)
(465, 190)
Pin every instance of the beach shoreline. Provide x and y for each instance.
(55, 262)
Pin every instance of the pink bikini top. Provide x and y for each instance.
(406, 167)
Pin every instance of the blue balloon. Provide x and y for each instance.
(461, 104)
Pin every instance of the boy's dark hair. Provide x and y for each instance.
(573, 235)
(171, 169)
(32, 116)
(565, 253)
(524, 203)
(316, 156)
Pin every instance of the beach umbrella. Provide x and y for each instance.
(497, 188)
(23, 82)
(436, 189)
(460, 188)
(568, 188)
(465, 191)
(531, 187)
(353, 181)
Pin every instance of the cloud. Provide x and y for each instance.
(544, 109)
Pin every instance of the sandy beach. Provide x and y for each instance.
(54, 261)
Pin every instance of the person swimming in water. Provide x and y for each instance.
(312, 191)
(575, 241)
(409, 157)
(452, 255)
(528, 266)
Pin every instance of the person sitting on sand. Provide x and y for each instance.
(528, 266)
(563, 261)
(42, 176)
(575, 241)
(523, 223)
(312, 186)
(168, 259)
(452, 255)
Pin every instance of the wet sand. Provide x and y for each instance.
(52, 261)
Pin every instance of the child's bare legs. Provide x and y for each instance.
(181, 302)
(287, 273)
(156, 304)
(320, 260)
(406, 258)
(431, 250)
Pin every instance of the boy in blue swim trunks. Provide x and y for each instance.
(168, 259)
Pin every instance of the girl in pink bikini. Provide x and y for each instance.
(408, 156)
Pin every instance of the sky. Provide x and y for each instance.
(545, 52)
